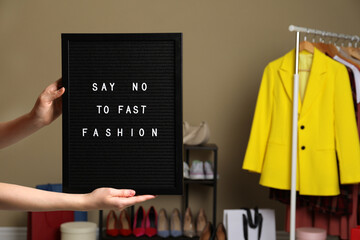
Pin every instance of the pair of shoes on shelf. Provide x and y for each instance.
(190, 230)
(201, 170)
(118, 226)
(208, 230)
(145, 224)
(175, 229)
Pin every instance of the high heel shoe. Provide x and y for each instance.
(111, 224)
(207, 232)
(189, 227)
(151, 220)
(220, 232)
(175, 223)
(163, 224)
(139, 222)
(124, 224)
(201, 222)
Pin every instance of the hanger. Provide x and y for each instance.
(353, 52)
(328, 49)
(307, 46)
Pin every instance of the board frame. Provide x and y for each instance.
(67, 38)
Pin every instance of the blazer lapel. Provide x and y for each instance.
(286, 72)
(316, 80)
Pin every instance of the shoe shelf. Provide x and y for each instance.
(208, 182)
(204, 182)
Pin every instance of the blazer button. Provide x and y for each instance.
(302, 127)
(303, 147)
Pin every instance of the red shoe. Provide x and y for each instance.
(139, 222)
(124, 224)
(151, 220)
(111, 224)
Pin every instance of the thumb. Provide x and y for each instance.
(59, 93)
(123, 193)
(52, 95)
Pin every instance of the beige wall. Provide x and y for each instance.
(226, 47)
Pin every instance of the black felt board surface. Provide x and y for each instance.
(122, 112)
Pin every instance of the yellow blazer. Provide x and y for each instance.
(326, 128)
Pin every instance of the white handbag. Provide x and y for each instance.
(250, 224)
(195, 135)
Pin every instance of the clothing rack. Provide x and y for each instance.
(297, 29)
(293, 28)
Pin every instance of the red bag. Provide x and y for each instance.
(46, 225)
(355, 233)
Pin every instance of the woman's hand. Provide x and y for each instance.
(110, 198)
(15, 197)
(48, 106)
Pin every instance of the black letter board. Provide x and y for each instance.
(122, 112)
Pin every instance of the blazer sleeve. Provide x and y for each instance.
(255, 153)
(346, 133)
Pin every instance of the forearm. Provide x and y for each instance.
(17, 129)
(15, 197)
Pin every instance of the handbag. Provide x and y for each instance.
(46, 225)
(250, 224)
(195, 135)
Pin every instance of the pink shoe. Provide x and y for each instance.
(151, 220)
(139, 222)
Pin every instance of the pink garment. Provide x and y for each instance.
(334, 225)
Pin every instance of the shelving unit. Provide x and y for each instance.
(207, 182)
(187, 182)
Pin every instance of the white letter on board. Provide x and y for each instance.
(112, 86)
(135, 86)
(141, 132)
(96, 134)
(154, 132)
(106, 109)
(84, 130)
(119, 132)
(120, 108)
(108, 132)
(99, 108)
(94, 87)
(128, 110)
(135, 109)
(103, 88)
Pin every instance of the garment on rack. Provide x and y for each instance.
(340, 205)
(326, 127)
(356, 73)
(346, 55)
